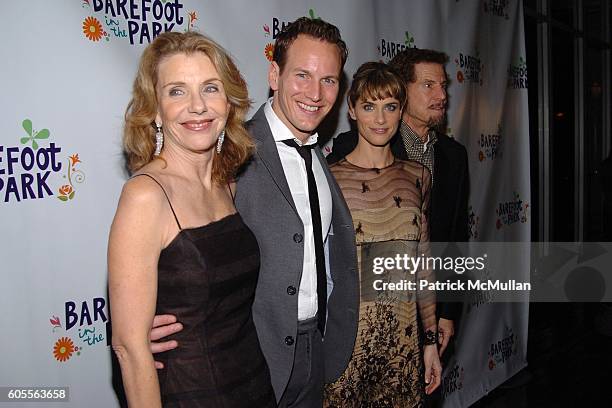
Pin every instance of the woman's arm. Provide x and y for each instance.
(427, 299)
(135, 242)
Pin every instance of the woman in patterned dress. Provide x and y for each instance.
(388, 199)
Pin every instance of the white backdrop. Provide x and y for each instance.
(68, 66)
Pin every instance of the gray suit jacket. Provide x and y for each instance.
(265, 203)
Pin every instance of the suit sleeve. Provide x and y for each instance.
(343, 145)
(461, 217)
(452, 310)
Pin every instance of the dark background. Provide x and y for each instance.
(569, 71)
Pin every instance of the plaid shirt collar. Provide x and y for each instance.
(413, 141)
(417, 150)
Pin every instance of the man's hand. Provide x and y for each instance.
(446, 330)
(163, 326)
(433, 368)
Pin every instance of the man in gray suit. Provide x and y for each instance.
(306, 303)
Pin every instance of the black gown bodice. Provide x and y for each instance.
(207, 278)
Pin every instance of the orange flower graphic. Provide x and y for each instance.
(92, 29)
(65, 189)
(63, 349)
(491, 364)
(193, 16)
(460, 77)
(74, 159)
(269, 51)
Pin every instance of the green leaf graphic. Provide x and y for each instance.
(71, 196)
(27, 126)
(24, 140)
(34, 145)
(62, 198)
(313, 16)
(43, 134)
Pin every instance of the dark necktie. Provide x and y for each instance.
(315, 213)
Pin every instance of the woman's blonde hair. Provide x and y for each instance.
(139, 128)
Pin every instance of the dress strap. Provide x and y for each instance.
(167, 198)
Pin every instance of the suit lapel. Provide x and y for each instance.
(338, 201)
(440, 185)
(441, 169)
(268, 153)
(397, 147)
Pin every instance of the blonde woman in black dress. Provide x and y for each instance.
(177, 245)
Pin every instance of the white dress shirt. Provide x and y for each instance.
(297, 178)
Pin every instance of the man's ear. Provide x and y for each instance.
(273, 74)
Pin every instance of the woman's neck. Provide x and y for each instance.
(190, 165)
(368, 156)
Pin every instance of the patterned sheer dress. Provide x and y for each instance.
(389, 208)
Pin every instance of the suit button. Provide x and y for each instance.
(297, 238)
(291, 290)
(289, 340)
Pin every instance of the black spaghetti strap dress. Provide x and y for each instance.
(207, 278)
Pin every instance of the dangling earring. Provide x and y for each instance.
(159, 140)
(220, 141)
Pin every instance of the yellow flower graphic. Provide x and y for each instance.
(269, 51)
(92, 29)
(63, 349)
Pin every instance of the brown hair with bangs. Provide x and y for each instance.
(374, 81)
(139, 127)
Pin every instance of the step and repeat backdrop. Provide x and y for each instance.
(68, 67)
